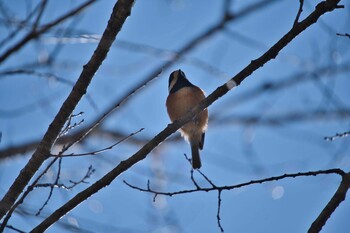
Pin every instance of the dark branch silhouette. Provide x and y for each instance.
(337, 135)
(345, 35)
(231, 187)
(100, 150)
(301, 4)
(331, 206)
(317, 225)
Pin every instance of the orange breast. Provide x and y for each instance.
(180, 102)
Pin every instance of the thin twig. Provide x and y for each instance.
(48, 76)
(191, 172)
(69, 126)
(193, 180)
(345, 34)
(51, 188)
(14, 228)
(56, 184)
(104, 149)
(337, 135)
(206, 178)
(200, 172)
(38, 18)
(283, 119)
(301, 4)
(218, 213)
(87, 175)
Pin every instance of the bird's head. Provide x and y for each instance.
(178, 80)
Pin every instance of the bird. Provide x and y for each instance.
(183, 96)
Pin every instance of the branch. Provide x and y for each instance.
(67, 139)
(218, 213)
(36, 33)
(69, 126)
(230, 187)
(51, 187)
(328, 71)
(104, 149)
(338, 197)
(337, 135)
(345, 35)
(14, 228)
(321, 8)
(21, 24)
(301, 3)
(282, 119)
(48, 76)
(24, 195)
(120, 12)
(40, 14)
(200, 172)
(332, 205)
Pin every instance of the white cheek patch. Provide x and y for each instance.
(172, 84)
(231, 84)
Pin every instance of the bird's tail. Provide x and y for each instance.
(196, 160)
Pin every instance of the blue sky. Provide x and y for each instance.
(234, 152)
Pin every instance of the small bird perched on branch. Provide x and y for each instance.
(183, 96)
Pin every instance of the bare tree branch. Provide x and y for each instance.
(230, 187)
(282, 119)
(120, 12)
(51, 187)
(345, 34)
(21, 24)
(57, 184)
(218, 213)
(338, 197)
(14, 228)
(301, 3)
(40, 14)
(337, 135)
(321, 8)
(25, 194)
(104, 149)
(37, 32)
(35, 184)
(35, 73)
(332, 205)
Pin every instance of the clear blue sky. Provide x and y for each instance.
(234, 152)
